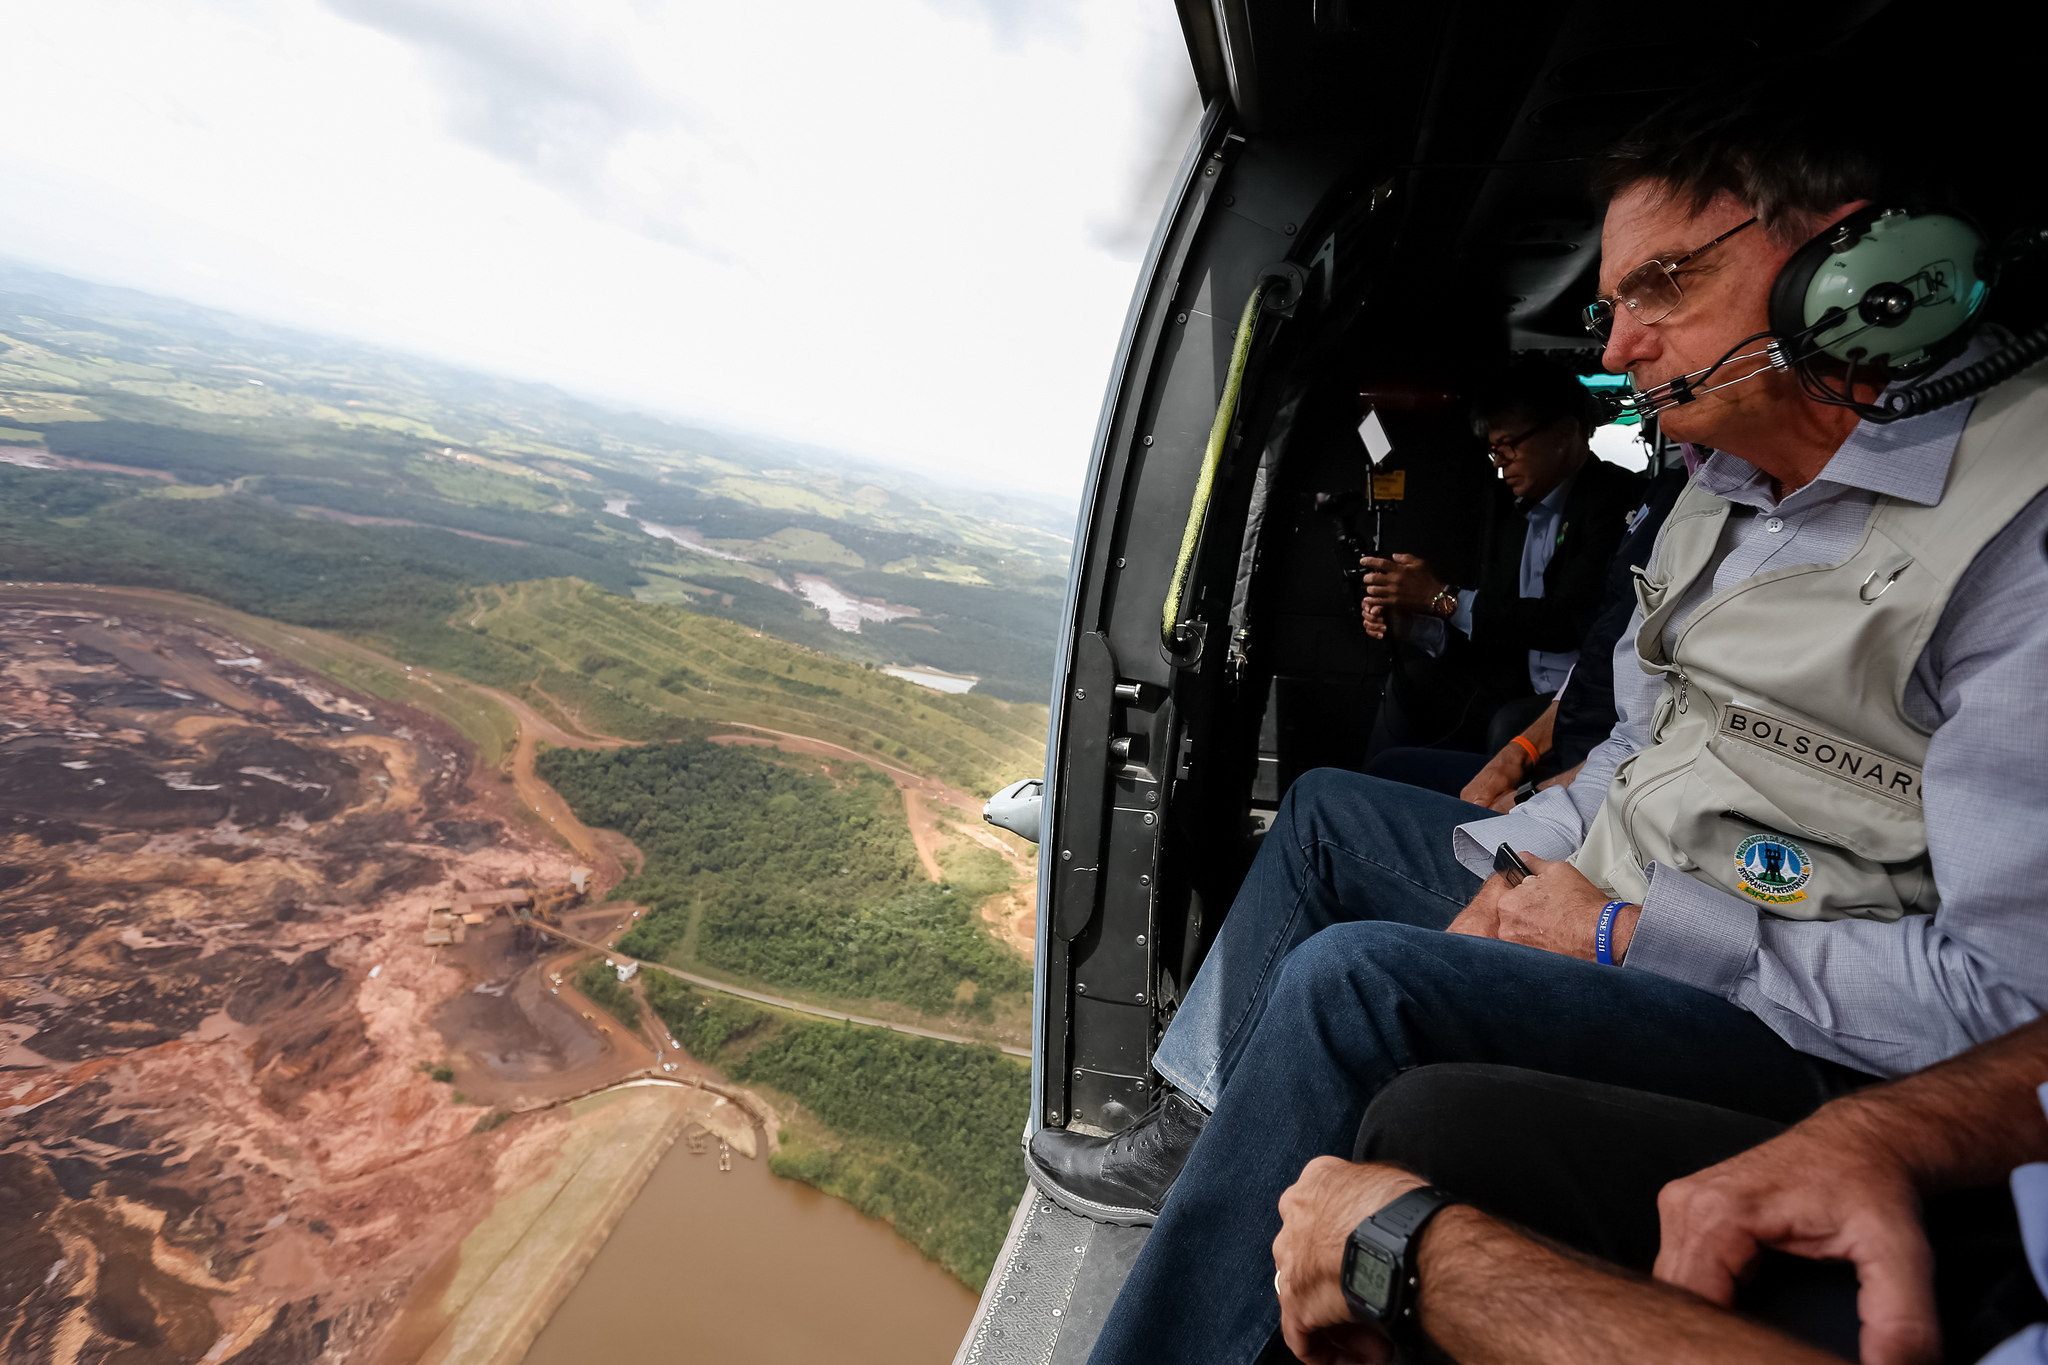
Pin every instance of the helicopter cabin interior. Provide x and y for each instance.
(1406, 186)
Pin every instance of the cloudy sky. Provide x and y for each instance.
(903, 228)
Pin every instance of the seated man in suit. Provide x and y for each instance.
(1550, 749)
(1476, 665)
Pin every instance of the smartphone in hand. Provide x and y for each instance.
(1511, 868)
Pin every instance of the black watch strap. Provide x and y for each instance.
(1392, 1233)
(1405, 1216)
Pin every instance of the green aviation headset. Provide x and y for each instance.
(1884, 295)
(1884, 289)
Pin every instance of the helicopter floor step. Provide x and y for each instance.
(1051, 1289)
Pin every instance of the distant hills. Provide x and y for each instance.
(148, 441)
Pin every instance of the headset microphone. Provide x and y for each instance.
(1881, 296)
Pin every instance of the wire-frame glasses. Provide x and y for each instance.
(1650, 292)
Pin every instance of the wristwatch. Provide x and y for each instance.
(1447, 599)
(1380, 1279)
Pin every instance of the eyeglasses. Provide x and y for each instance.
(1503, 451)
(1650, 291)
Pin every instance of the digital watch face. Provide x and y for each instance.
(1371, 1276)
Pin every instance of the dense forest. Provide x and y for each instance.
(784, 877)
(921, 1133)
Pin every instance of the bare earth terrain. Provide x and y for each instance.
(217, 1138)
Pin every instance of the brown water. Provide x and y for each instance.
(739, 1267)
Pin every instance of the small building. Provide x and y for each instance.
(627, 970)
(579, 877)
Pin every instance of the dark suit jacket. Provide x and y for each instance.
(1585, 715)
(1507, 625)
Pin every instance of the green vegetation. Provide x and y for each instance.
(788, 879)
(441, 1074)
(457, 480)
(921, 1133)
(499, 533)
(662, 660)
(602, 987)
(249, 462)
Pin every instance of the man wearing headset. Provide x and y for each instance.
(1828, 705)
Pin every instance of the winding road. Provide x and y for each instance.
(779, 1002)
(534, 794)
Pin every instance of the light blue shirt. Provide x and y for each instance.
(1547, 670)
(2030, 1200)
(1884, 998)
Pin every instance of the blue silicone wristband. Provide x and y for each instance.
(1603, 933)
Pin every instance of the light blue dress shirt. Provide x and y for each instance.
(1884, 998)
(2030, 1200)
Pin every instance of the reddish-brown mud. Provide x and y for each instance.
(217, 1141)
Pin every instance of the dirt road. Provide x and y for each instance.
(536, 795)
(780, 1002)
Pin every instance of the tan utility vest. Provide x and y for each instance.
(1782, 766)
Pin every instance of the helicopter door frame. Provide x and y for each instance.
(1114, 744)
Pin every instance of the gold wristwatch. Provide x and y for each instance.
(1445, 603)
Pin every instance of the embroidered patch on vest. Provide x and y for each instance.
(1773, 869)
(1879, 774)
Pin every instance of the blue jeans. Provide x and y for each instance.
(1330, 978)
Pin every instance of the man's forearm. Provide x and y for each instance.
(1961, 1123)
(1491, 1294)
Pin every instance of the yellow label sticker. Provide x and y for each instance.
(1390, 487)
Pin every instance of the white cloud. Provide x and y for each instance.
(905, 227)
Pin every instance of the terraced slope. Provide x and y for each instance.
(693, 667)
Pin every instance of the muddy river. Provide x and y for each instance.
(741, 1268)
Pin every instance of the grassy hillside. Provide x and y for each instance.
(921, 1133)
(677, 663)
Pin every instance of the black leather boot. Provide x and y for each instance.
(1121, 1179)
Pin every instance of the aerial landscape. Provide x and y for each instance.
(1009, 683)
(427, 800)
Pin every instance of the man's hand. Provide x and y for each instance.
(1494, 785)
(1481, 918)
(1831, 1189)
(1555, 909)
(1317, 1214)
(1402, 583)
(1374, 618)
